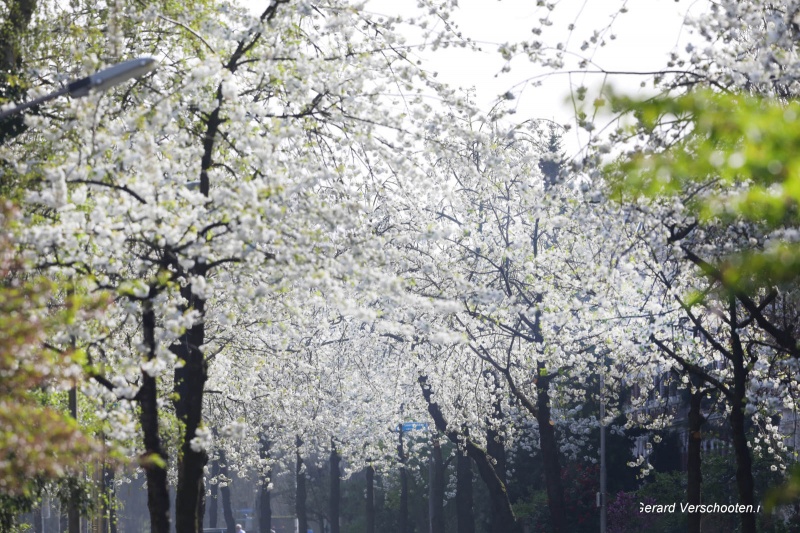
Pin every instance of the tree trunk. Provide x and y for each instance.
(437, 489)
(73, 514)
(265, 493)
(464, 517)
(503, 519)
(403, 518)
(693, 464)
(154, 459)
(550, 453)
(201, 510)
(549, 443)
(404, 515)
(300, 494)
(225, 492)
(38, 519)
(496, 452)
(495, 446)
(744, 462)
(371, 499)
(213, 502)
(744, 468)
(336, 492)
(189, 384)
(191, 378)
(265, 505)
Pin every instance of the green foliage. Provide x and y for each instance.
(666, 488)
(534, 510)
(737, 157)
(14, 21)
(38, 442)
(12, 506)
(788, 493)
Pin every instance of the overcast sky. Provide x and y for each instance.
(644, 38)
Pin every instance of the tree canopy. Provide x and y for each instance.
(290, 239)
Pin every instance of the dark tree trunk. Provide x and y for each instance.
(201, 510)
(464, 517)
(495, 446)
(497, 451)
(73, 514)
(37, 519)
(191, 378)
(503, 519)
(693, 464)
(300, 494)
(401, 454)
(744, 462)
(744, 467)
(437, 489)
(225, 492)
(541, 411)
(154, 459)
(736, 396)
(550, 453)
(265, 505)
(336, 493)
(189, 384)
(371, 499)
(265, 494)
(213, 505)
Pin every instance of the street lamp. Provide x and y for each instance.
(99, 81)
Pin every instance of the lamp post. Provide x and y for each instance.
(99, 81)
(603, 466)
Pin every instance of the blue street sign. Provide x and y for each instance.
(414, 426)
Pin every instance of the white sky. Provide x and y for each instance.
(645, 36)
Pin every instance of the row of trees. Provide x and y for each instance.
(303, 252)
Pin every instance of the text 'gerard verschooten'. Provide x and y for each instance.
(702, 508)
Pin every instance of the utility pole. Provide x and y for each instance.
(73, 514)
(602, 496)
